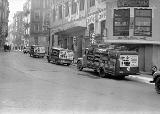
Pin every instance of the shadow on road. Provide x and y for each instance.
(94, 75)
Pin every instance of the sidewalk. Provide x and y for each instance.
(142, 77)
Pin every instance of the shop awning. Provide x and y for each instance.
(133, 42)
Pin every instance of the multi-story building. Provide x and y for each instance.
(73, 23)
(10, 36)
(133, 23)
(4, 13)
(36, 19)
(18, 26)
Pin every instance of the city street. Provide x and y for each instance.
(33, 85)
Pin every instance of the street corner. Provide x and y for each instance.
(142, 78)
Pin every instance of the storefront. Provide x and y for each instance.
(135, 23)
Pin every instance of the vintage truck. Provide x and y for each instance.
(37, 51)
(60, 56)
(109, 61)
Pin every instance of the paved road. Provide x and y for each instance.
(33, 85)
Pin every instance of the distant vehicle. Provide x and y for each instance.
(37, 51)
(26, 50)
(109, 61)
(60, 56)
(156, 79)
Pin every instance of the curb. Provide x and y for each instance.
(141, 78)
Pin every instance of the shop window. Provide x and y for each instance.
(143, 22)
(60, 12)
(121, 22)
(92, 3)
(66, 9)
(74, 7)
(81, 5)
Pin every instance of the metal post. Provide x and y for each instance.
(49, 40)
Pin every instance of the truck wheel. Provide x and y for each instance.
(157, 85)
(48, 60)
(121, 77)
(102, 73)
(79, 65)
(68, 64)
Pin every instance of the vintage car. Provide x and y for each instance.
(109, 62)
(60, 56)
(37, 51)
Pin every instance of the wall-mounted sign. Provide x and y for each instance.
(133, 3)
(102, 16)
(91, 19)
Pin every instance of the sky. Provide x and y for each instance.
(15, 5)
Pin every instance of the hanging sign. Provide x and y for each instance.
(133, 3)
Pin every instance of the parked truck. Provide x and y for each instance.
(60, 56)
(37, 51)
(109, 61)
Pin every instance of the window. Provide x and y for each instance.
(66, 9)
(74, 7)
(36, 15)
(81, 5)
(143, 22)
(54, 15)
(36, 27)
(60, 12)
(92, 3)
(121, 22)
(103, 24)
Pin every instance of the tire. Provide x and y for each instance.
(102, 73)
(68, 64)
(48, 60)
(79, 65)
(121, 77)
(157, 85)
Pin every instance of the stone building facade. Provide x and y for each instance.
(36, 16)
(74, 21)
(18, 30)
(75, 24)
(135, 24)
(4, 13)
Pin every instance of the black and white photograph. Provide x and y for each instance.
(79, 56)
